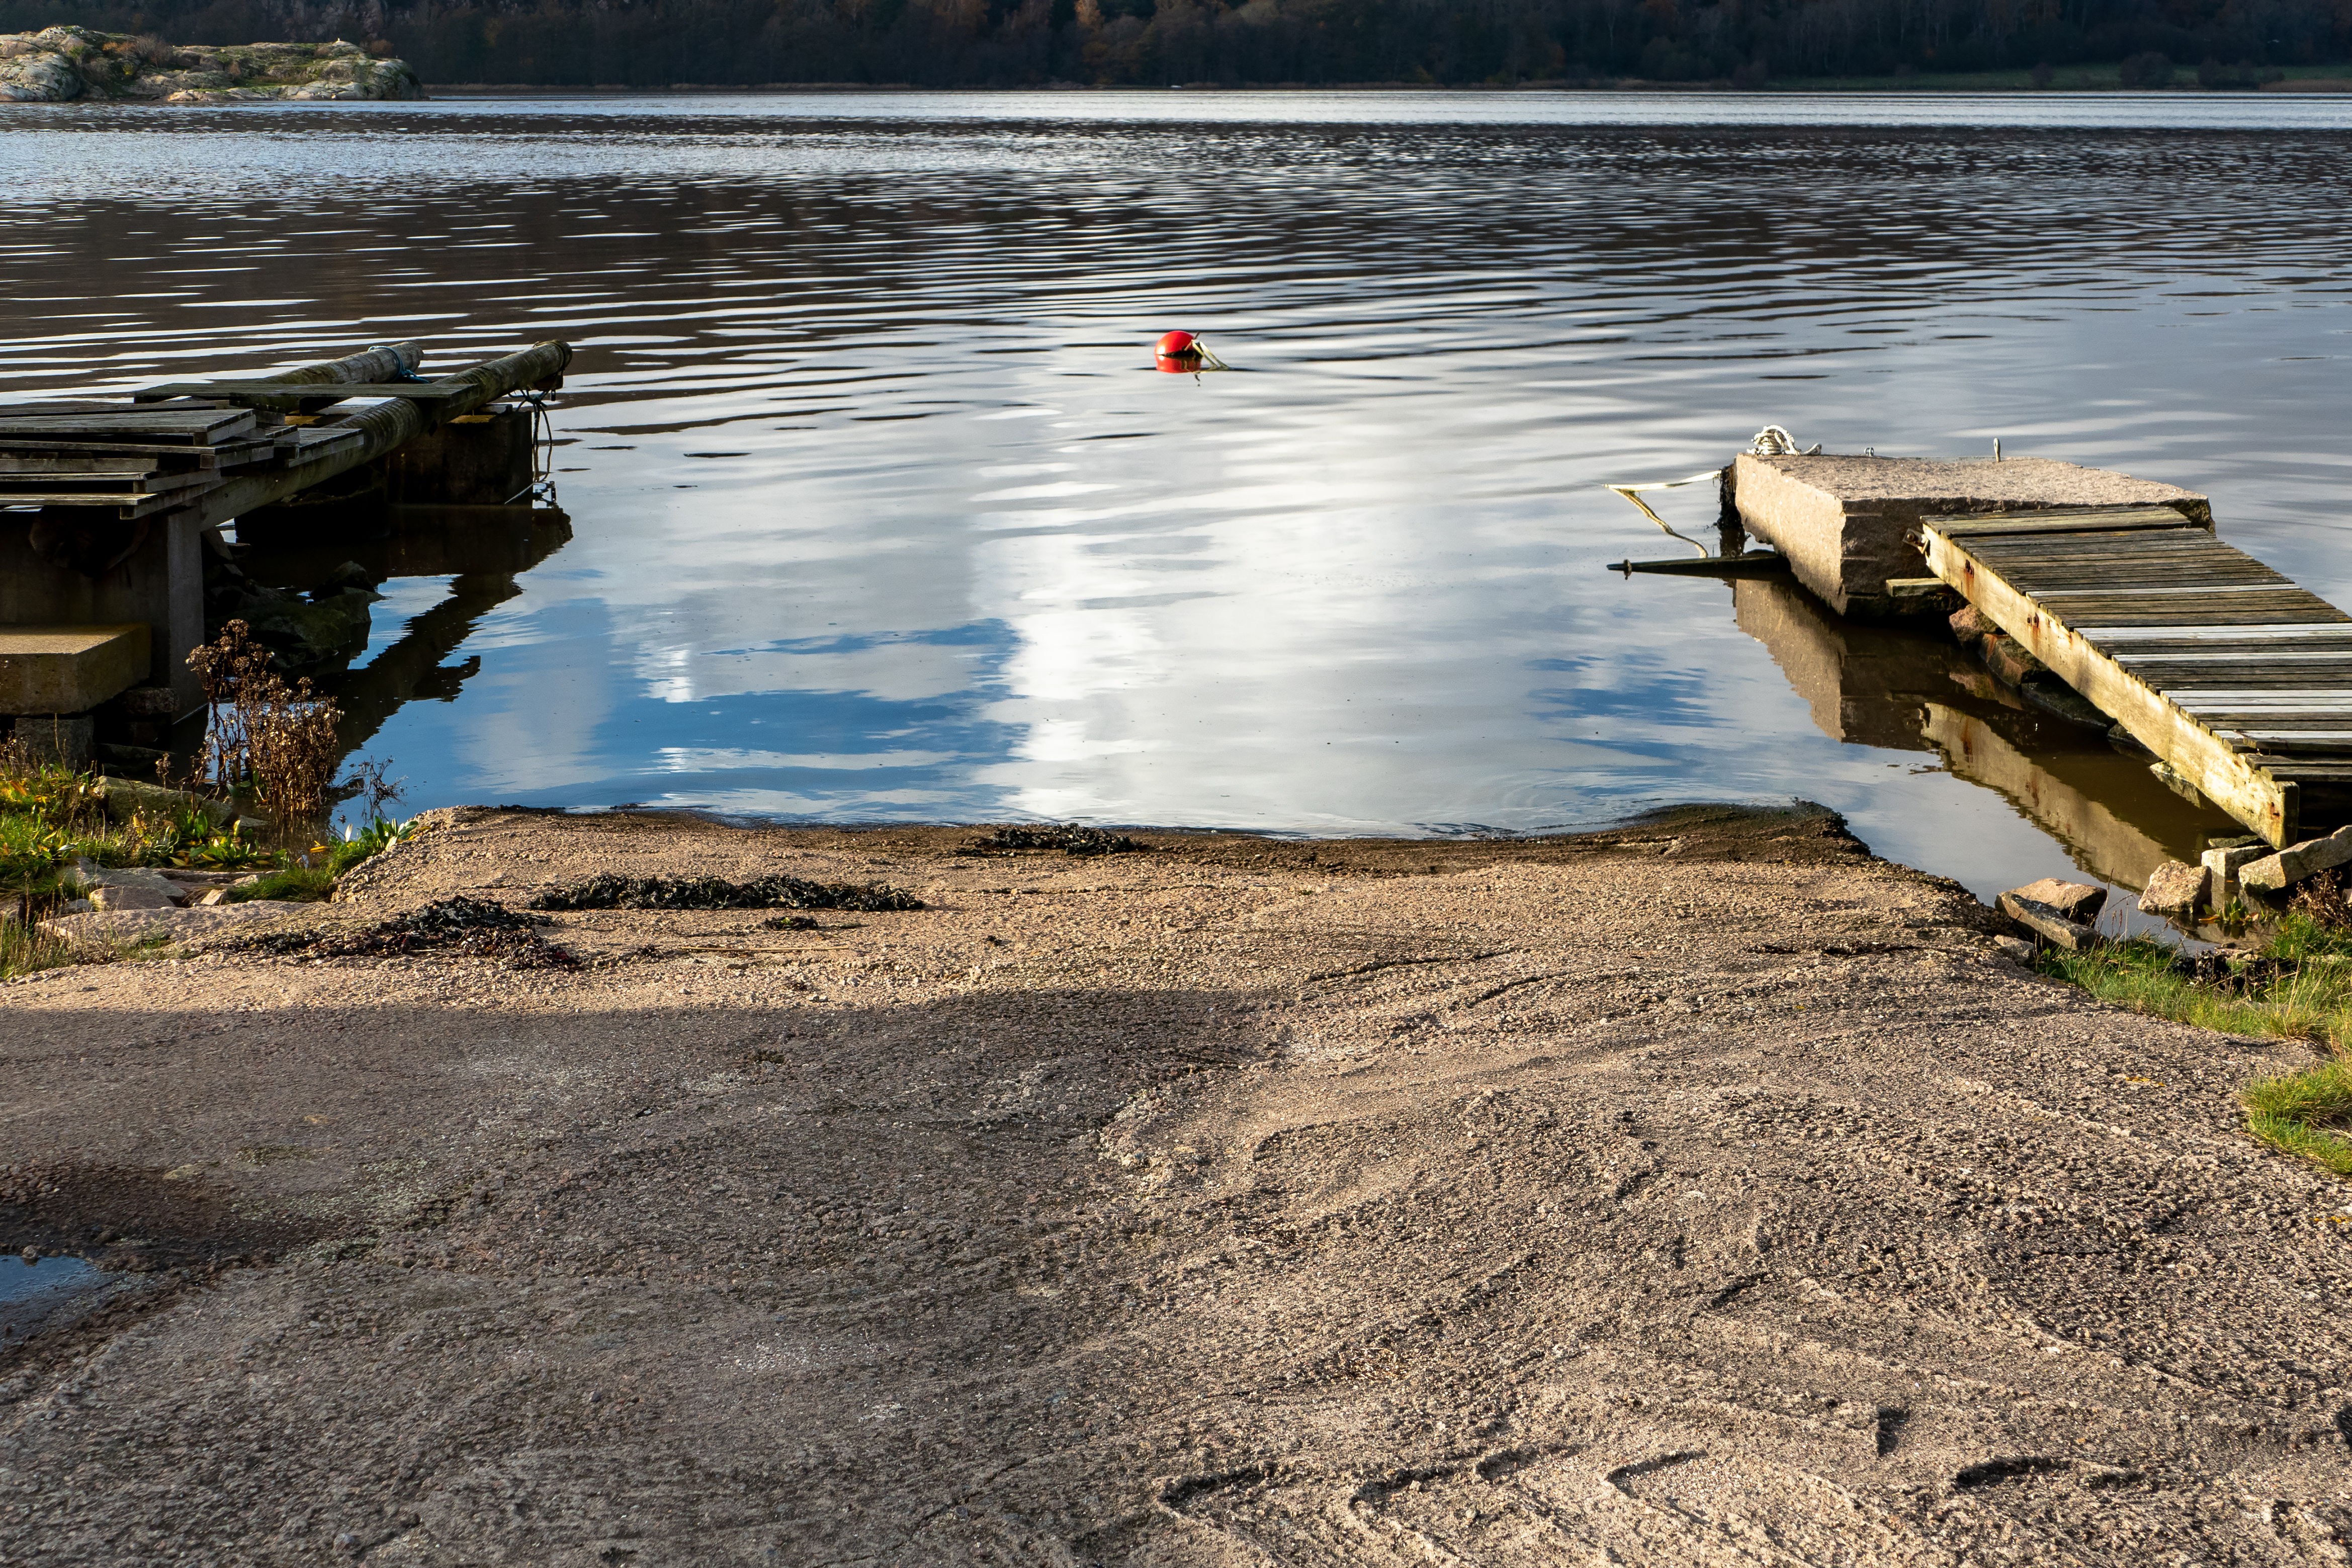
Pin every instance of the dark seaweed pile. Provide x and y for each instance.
(1068, 837)
(611, 892)
(2231, 972)
(473, 927)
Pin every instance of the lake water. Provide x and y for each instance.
(879, 509)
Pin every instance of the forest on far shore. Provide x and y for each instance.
(2215, 44)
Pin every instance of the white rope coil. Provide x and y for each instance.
(1773, 441)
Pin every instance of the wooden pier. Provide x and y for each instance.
(2236, 679)
(106, 508)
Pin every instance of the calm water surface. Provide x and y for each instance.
(880, 510)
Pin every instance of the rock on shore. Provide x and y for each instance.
(65, 65)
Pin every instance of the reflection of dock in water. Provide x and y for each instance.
(1901, 690)
(1864, 682)
(482, 550)
(2110, 816)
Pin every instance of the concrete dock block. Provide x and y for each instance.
(1843, 521)
(478, 460)
(70, 669)
(2225, 864)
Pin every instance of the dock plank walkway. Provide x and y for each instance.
(2238, 680)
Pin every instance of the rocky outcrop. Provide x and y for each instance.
(64, 65)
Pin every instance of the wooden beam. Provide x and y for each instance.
(300, 397)
(1753, 563)
(184, 427)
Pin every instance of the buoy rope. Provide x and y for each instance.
(401, 371)
(541, 488)
(1630, 493)
(1773, 441)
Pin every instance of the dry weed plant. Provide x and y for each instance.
(269, 742)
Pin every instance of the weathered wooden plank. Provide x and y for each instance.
(291, 396)
(2301, 694)
(2074, 521)
(2116, 622)
(2313, 769)
(2293, 721)
(2247, 687)
(2287, 633)
(306, 443)
(123, 505)
(2225, 608)
(14, 451)
(116, 482)
(2164, 594)
(2163, 657)
(195, 427)
(2305, 691)
(2186, 570)
(2257, 739)
(16, 465)
(2178, 564)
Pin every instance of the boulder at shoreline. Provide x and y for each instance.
(68, 65)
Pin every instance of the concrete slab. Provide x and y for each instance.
(70, 669)
(157, 576)
(1842, 521)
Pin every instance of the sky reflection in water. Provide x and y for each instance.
(879, 511)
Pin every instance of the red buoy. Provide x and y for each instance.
(1178, 345)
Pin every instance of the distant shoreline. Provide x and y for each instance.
(1871, 88)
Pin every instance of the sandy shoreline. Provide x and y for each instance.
(1708, 1192)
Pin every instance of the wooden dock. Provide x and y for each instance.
(2236, 679)
(106, 506)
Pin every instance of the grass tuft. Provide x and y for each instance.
(297, 884)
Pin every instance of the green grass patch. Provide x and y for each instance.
(2301, 1113)
(300, 884)
(2263, 997)
(373, 839)
(52, 816)
(2297, 986)
(24, 948)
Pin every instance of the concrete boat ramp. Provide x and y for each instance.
(2238, 680)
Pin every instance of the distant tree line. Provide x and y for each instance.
(942, 43)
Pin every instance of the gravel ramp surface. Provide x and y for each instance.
(1708, 1192)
